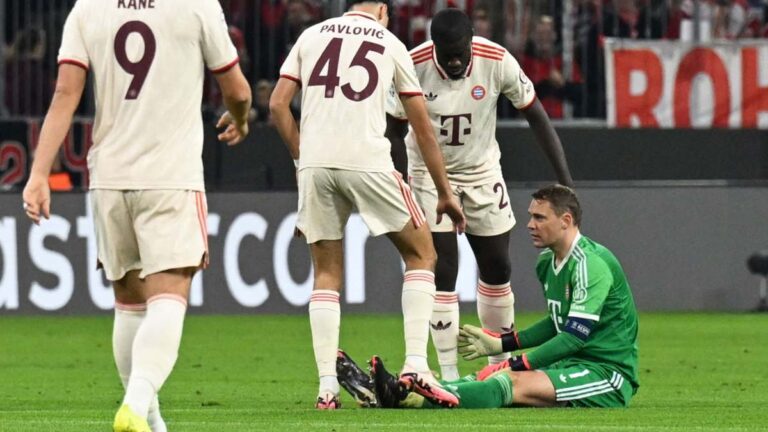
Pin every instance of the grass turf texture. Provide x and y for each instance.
(257, 373)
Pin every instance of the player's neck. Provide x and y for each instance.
(369, 9)
(564, 247)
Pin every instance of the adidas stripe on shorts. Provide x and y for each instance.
(589, 385)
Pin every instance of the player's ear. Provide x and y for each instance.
(383, 17)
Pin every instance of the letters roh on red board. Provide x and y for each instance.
(666, 84)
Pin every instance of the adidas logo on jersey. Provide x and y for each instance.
(430, 97)
(440, 325)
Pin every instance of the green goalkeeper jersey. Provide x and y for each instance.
(588, 296)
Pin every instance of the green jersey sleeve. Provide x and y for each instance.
(591, 281)
(537, 334)
(559, 347)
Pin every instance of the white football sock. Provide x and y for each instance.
(417, 300)
(496, 308)
(128, 318)
(444, 328)
(325, 319)
(155, 350)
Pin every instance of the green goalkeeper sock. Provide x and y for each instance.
(495, 392)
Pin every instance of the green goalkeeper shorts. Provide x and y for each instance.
(584, 384)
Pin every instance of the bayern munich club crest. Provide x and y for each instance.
(478, 92)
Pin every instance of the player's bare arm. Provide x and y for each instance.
(236, 93)
(548, 141)
(69, 89)
(416, 110)
(280, 107)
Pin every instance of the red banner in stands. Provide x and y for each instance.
(669, 84)
(18, 139)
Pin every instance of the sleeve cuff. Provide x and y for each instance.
(73, 62)
(528, 105)
(227, 66)
(291, 77)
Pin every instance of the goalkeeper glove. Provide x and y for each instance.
(516, 363)
(475, 342)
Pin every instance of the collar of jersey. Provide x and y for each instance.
(440, 70)
(361, 14)
(567, 256)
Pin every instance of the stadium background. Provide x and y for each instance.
(682, 207)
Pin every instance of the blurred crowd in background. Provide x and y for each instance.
(558, 42)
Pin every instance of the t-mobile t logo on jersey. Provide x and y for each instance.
(456, 132)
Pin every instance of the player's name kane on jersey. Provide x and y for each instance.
(589, 284)
(463, 111)
(345, 66)
(147, 59)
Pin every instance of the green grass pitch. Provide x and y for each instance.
(257, 373)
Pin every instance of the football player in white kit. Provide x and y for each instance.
(147, 60)
(462, 77)
(344, 67)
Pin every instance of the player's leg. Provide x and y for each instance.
(130, 310)
(444, 325)
(416, 249)
(489, 221)
(495, 300)
(171, 234)
(387, 206)
(323, 213)
(325, 317)
(157, 340)
(585, 384)
(118, 256)
(504, 389)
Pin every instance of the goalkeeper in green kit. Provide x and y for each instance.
(583, 354)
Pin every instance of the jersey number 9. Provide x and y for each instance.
(139, 69)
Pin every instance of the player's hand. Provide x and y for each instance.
(235, 132)
(37, 198)
(475, 342)
(451, 207)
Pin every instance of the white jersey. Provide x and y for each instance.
(463, 111)
(148, 59)
(345, 66)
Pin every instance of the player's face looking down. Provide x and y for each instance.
(454, 57)
(546, 227)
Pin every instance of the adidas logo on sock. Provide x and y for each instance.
(440, 325)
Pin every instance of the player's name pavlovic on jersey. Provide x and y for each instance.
(345, 66)
(147, 59)
(589, 284)
(463, 111)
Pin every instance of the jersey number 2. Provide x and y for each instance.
(331, 79)
(139, 69)
(500, 187)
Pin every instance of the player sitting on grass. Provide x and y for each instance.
(586, 349)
